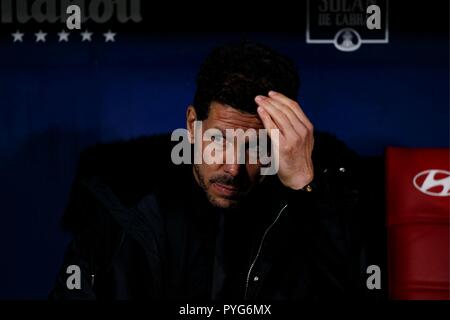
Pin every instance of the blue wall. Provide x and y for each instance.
(55, 99)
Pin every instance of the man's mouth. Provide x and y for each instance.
(225, 190)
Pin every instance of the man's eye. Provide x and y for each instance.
(253, 149)
(217, 139)
(251, 145)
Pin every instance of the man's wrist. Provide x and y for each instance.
(307, 188)
(304, 185)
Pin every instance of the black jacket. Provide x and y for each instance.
(137, 229)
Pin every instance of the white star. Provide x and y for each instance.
(18, 36)
(63, 36)
(86, 36)
(40, 36)
(109, 36)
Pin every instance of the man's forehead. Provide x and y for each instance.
(226, 117)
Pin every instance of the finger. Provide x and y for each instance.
(297, 124)
(293, 105)
(277, 116)
(269, 124)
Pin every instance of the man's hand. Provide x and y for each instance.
(296, 138)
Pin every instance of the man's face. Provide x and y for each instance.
(225, 183)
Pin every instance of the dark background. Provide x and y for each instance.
(58, 98)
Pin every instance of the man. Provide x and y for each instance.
(146, 228)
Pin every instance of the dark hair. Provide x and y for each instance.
(235, 74)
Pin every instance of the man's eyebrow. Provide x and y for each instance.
(247, 138)
(222, 131)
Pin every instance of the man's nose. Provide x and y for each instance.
(232, 169)
(233, 161)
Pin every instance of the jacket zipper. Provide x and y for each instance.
(259, 249)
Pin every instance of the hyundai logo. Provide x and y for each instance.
(427, 182)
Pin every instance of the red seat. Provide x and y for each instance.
(418, 217)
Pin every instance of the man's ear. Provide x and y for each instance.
(191, 117)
